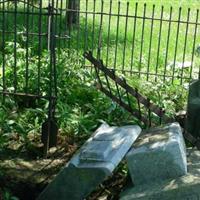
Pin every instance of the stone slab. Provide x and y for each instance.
(93, 163)
(186, 187)
(158, 154)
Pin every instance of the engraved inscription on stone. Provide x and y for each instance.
(100, 150)
(103, 144)
(94, 151)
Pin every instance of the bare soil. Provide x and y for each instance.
(25, 173)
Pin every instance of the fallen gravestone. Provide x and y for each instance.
(158, 154)
(182, 188)
(95, 161)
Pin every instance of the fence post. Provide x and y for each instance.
(49, 127)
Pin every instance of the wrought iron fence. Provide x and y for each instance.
(28, 28)
(149, 41)
(143, 41)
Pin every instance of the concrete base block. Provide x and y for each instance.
(186, 187)
(158, 154)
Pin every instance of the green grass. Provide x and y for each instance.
(148, 63)
(157, 63)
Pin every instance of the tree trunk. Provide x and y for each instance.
(73, 6)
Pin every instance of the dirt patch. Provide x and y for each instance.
(26, 175)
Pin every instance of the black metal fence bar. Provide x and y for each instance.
(150, 43)
(39, 47)
(159, 39)
(185, 44)
(133, 37)
(125, 37)
(167, 46)
(117, 34)
(142, 39)
(108, 36)
(194, 43)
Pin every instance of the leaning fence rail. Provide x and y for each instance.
(131, 99)
(124, 93)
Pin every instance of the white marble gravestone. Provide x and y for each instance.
(95, 161)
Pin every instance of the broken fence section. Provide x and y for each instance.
(126, 96)
(129, 98)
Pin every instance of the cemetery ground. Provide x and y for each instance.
(24, 177)
(80, 110)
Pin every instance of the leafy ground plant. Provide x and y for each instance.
(80, 107)
(172, 98)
